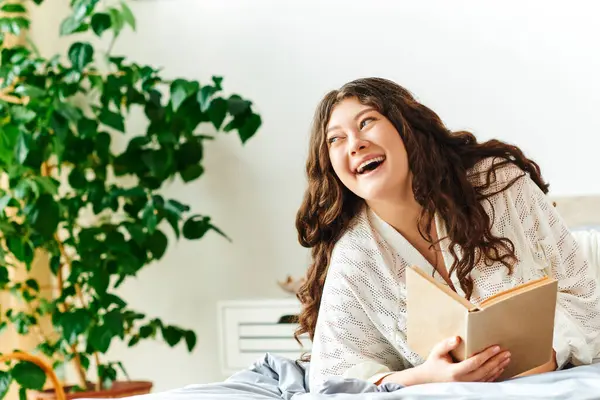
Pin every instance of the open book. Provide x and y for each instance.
(520, 320)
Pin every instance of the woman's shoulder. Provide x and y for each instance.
(357, 234)
(494, 173)
(359, 242)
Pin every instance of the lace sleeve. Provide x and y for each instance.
(350, 340)
(577, 320)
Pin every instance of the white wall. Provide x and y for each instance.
(523, 71)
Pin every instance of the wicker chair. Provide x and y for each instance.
(58, 387)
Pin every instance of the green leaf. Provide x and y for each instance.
(204, 97)
(32, 283)
(112, 119)
(149, 217)
(173, 220)
(46, 184)
(13, 8)
(100, 281)
(190, 340)
(14, 25)
(87, 128)
(29, 375)
(76, 21)
(107, 375)
(158, 161)
(83, 8)
(30, 91)
(74, 324)
(220, 232)
(100, 338)
(250, 127)
(7, 201)
(4, 277)
(77, 179)
(195, 228)
(117, 21)
(127, 15)
(23, 321)
(190, 152)
(69, 25)
(237, 105)
(68, 111)
(132, 342)
(181, 90)
(172, 335)
(23, 114)
(113, 321)
(81, 54)
(55, 264)
(192, 172)
(217, 112)
(157, 244)
(8, 142)
(23, 146)
(108, 299)
(176, 207)
(45, 216)
(217, 80)
(101, 22)
(5, 380)
(16, 246)
(72, 76)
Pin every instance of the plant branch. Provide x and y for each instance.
(38, 329)
(98, 380)
(77, 358)
(46, 170)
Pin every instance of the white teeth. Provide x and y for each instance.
(364, 164)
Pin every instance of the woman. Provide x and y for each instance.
(390, 186)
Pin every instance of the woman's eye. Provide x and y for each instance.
(332, 139)
(365, 121)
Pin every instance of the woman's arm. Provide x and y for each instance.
(577, 320)
(356, 322)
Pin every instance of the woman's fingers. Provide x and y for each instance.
(500, 362)
(444, 347)
(496, 375)
(482, 366)
(474, 363)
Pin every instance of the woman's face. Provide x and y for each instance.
(367, 152)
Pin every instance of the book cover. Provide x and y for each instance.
(520, 320)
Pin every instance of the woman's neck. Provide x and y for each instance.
(401, 213)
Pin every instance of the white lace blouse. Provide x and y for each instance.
(361, 328)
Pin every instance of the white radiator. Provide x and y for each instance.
(250, 328)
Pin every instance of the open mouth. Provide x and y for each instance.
(370, 165)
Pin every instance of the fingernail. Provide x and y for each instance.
(496, 349)
(507, 355)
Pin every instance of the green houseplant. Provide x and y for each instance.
(98, 215)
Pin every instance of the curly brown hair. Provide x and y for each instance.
(439, 161)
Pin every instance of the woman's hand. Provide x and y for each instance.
(485, 366)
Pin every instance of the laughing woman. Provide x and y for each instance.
(390, 186)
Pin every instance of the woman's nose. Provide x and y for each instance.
(358, 144)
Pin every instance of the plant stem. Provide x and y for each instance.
(46, 170)
(99, 379)
(77, 359)
(80, 369)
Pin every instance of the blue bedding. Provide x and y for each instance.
(273, 377)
